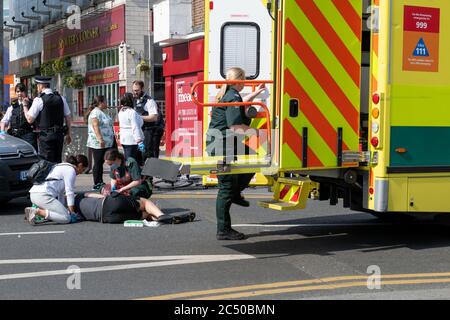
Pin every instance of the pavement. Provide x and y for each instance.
(322, 252)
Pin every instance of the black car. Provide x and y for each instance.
(16, 157)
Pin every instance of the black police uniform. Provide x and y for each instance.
(19, 126)
(153, 131)
(230, 185)
(51, 124)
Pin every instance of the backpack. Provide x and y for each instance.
(39, 171)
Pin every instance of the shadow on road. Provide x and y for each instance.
(366, 236)
(15, 207)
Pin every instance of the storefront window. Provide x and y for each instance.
(104, 59)
(110, 91)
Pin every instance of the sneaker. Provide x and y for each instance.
(240, 201)
(30, 213)
(39, 220)
(230, 235)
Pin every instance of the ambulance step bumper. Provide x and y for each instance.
(289, 194)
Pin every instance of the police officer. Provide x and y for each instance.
(49, 110)
(15, 118)
(153, 126)
(225, 121)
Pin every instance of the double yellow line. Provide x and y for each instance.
(332, 283)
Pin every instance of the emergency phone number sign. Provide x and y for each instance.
(421, 39)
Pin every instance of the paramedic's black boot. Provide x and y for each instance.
(240, 201)
(230, 235)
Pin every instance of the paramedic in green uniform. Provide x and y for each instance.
(224, 123)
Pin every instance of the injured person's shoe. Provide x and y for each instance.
(186, 217)
(165, 218)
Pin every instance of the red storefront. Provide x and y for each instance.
(183, 65)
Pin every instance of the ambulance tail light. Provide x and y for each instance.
(376, 98)
(375, 113)
(374, 142)
(211, 5)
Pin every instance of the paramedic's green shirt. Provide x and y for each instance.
(143, 190)
(132, 167)
(224, 117)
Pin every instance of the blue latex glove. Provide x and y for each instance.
(74, 218)
(2, 132)
(141, 147)
(113, 188)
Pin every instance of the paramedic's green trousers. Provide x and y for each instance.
(230, 186)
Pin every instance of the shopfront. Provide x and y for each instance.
(94, 53)
(182, 67)
(102, 76)
(25, 69)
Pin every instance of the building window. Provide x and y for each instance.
(159, 83)
(102, 60)
(240, 47)
(110, 91)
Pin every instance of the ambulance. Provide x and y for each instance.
(357, 105)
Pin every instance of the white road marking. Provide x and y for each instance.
(30, 233)
(312, 225)
(173, 260)
(124, 259)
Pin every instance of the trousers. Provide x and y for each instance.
(57, 212)
(152, 139)
(29, 137)
(51, 146)
(230, 187)
(99, 160)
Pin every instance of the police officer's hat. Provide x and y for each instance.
(42, 79)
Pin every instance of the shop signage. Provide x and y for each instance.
(97, 32)
(187, 133)
(102, 76)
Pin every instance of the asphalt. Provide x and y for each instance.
(178, 261)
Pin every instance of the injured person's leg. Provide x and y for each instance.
(150, 211)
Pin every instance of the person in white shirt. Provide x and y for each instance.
(57, 191)
(50, 110)
(153, 126)
(130, 124)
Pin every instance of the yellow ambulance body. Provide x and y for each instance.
(359, 102)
